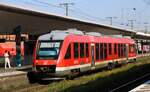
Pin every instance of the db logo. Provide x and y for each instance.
(76, 62)
(45, 63)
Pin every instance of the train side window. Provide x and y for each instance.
(124, 50)
(82, 50)
(110, 49)
(101, 51)
(105, 50)
(76, 52)
(68, 53)
(115, 48)
(119, 50)
(130, 49)
(97, 51)
(87, 50)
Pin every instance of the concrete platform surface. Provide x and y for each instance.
(14, 71)
(145, 87)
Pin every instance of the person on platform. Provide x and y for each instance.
(7, 61)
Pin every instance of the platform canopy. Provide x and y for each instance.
(35, 22)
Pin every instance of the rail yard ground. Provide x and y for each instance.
(102, 81)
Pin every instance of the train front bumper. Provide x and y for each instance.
(47, 72)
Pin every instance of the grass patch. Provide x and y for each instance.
(102, 81)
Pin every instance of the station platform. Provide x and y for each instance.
(14, 71)
(145, 87)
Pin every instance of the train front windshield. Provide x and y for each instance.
(48, 50)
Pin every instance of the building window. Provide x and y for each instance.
(82, 50)
(68, 53)
(76, 52)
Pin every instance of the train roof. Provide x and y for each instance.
(77, 35)
(60, 34)
(100, 39)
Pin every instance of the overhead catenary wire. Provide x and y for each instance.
(87, 14)
(79, 12)
(45, 4)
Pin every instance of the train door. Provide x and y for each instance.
(92, 56)
(126, 51)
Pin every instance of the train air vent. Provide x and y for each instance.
(94, 34)
(74, 31)
(116, 36)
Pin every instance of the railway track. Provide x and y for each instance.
(132, 84)
(19, 83)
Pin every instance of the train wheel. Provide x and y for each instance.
(31, 77)
(70, 77)
(74, 74)
(134, 60)
(116, 64)
(110, 66)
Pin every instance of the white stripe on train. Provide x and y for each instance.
(89, 64)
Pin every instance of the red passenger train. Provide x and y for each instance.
(62, 53)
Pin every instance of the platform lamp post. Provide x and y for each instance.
(17, 32)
